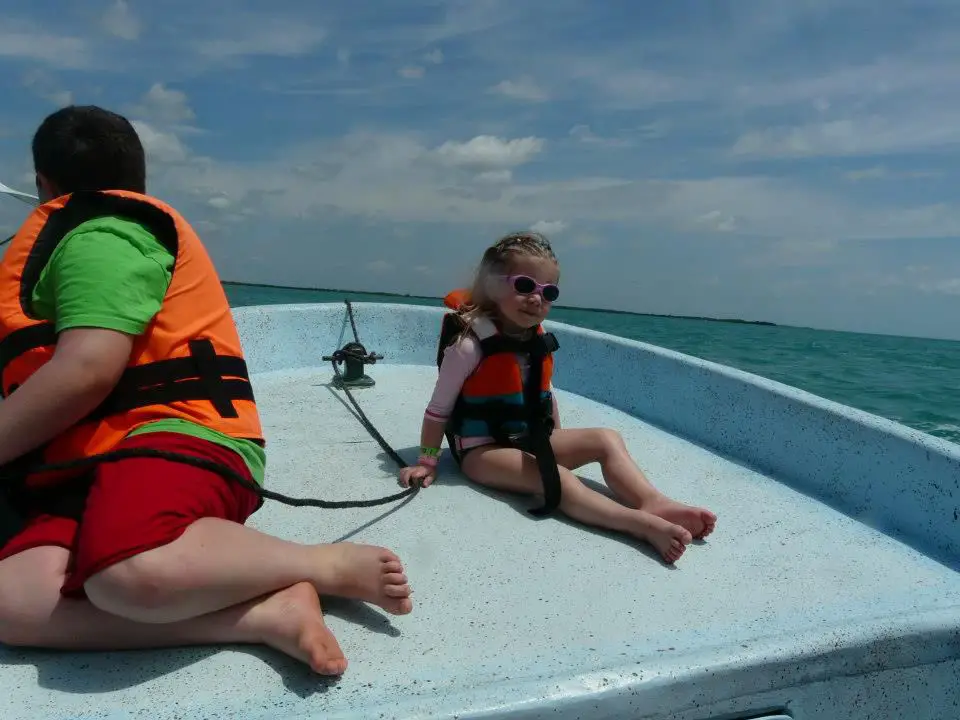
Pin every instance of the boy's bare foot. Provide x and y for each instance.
(291, 621)
(669, 539)
(363, 572)
(699, 521)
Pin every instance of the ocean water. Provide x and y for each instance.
(911, 380)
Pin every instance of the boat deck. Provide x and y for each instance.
(518, 614)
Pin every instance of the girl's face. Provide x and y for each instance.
(527, 291)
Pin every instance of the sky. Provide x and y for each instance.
(792, 161)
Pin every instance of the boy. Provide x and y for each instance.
(115, 333)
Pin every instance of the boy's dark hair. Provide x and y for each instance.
(84, 147)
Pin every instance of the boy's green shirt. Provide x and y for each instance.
(113, 273)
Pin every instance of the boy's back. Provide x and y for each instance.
(116, 334)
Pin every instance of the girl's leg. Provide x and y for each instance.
(34, 614)
(576, 447)
(516, 471)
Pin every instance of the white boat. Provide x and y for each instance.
(830, 588)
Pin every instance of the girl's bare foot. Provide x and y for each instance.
(363, 572)
(669, 539)
(699, 521)
(291, 621)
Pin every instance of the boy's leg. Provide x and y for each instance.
(33, 613)
(575, 447)
(516, 471)
(163, 541)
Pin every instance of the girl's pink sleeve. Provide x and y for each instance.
(459, 361)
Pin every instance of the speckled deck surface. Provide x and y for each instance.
(531, 615)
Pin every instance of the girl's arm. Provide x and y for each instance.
(556, 409)
(459, 361)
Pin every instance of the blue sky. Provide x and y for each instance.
(784, 160)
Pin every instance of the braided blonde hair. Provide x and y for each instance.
(496, 261)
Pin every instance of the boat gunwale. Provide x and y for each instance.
(897, 480)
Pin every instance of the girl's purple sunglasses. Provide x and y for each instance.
(526, 285)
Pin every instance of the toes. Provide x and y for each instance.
(396, 591)
(402, 606)
(675, 551)
(330, 666)
(388, 556)
(395, 579)
(393, 566)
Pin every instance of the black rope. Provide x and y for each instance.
(353, 323)
(231, 474)
(363, 417)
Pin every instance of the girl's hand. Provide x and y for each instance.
(416, 473)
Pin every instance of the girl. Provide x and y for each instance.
(515, 286)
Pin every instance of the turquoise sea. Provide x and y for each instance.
(914, 381)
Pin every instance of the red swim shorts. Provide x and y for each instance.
(138, 504)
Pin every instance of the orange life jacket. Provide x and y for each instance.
(188, 364)
(494, 400)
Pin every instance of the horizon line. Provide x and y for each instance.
(734, 321)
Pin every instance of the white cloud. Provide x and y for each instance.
(584, 134)
(411, 72)
(490, 152)
(950, 286)
(549, 227)
(625, 87)
(792, 253)
(888, 78)
(521, 89)
(280, 37)
(718, 221)
(495, 177)
(164, 106)
(877, 172)
(880, 172)
(865, 135)
(585, 241)
(398, 178)
(26, 41)
(379, 266)
(160, 118)
(46, 86)
(914, 277)
(616, 179)
(161, 146)
(120, 21)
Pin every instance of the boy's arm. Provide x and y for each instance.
(85, 367)
(101, 288)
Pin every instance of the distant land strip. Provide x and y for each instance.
(559, 307)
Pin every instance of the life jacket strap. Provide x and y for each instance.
(202, 375)
(540, 427)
